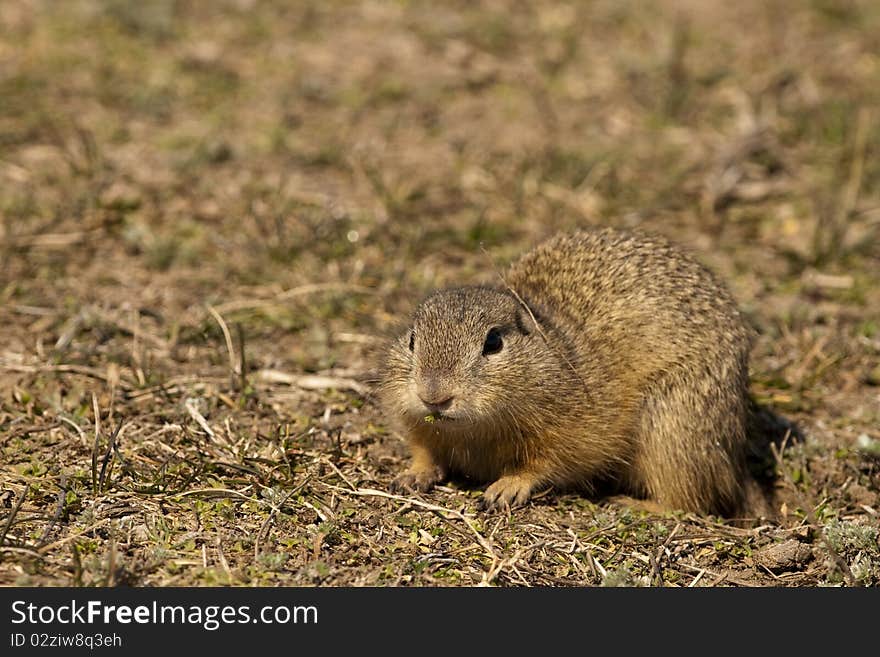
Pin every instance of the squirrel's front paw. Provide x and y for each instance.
(417, 480)
(507, 492)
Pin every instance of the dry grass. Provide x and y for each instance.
(208, 212)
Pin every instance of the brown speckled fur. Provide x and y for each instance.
(636, 374)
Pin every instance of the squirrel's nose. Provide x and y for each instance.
(434, 393)
(437, 406)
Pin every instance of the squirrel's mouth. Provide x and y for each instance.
(437, 416)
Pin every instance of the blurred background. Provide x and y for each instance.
(186, 183)
(165, 147)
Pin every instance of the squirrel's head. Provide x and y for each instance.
(466, 358)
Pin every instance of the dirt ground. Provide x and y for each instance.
(210, 213)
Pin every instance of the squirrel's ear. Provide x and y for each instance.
(525, 320)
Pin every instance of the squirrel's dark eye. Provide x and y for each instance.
(412, 340)
(493, 342)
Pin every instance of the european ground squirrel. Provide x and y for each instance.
(603, 358)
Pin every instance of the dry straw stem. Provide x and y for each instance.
(222, 558)
(59, 509)
(74, 324)
(656, 571)
(498, 565)
(64, 369)
(110, 580)
(111, 447)
(312, 381)
(302, 290)
(857, 166)
(86, 531)
(227, 336)
(242, 359)
(97, 413)
(55, 240)
(12, 514)
(719, 577)
(190, 405)
(29, 429)
(458, 515)
(215, 492)
(77, 428)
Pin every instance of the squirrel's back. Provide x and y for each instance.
(630, 295)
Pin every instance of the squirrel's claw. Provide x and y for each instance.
(508, 492)
(420, 480)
